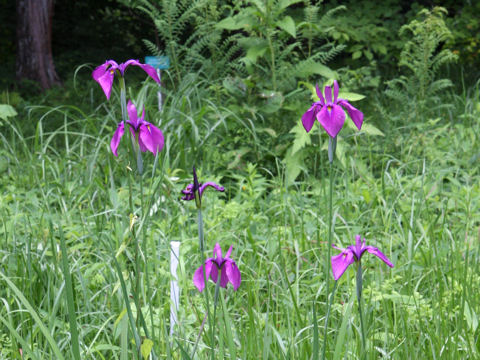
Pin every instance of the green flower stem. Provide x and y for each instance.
(144, 250)
(332, 144)
(329, 306)
(215, 302)
(202, 252)
(123, 100)
(360, 307)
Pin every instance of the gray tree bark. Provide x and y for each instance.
(34, 43)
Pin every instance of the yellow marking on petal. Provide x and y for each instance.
(112, 71)
(329, 108)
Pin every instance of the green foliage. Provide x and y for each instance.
(423, 55)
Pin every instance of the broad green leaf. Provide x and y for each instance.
(318, 69)
(371, 130)
(350, 96)
(287, 24)
(255, 51)
(229, 23)
(7, 111)
(356, 55)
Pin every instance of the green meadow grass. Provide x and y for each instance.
(64, 210)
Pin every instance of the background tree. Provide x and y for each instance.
(34, 43)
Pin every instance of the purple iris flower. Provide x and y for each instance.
(353, 253)
(104, 74)
(330, 113)
(227, 267)
(190, 190)
(148, 136)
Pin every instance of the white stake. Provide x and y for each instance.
(174, 289)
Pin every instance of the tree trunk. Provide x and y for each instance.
(34, 43)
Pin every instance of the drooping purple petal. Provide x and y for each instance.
(104, 77)
(373, 250)
(355, 114)
(150, 70)
(145, 140)
(223, 276)
(199, 279)
(331, 119)
(335, 91)
(320, 95)
(157, 137)
(309, 118)
(212, 184)
(341, 262)
(233, 273)
(116, 138)
(122, 67)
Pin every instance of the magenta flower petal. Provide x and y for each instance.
(157, 138)
(199, 279)
(229, 252)
(335, 91)
(329, 113)
(227, 267)
(341, 262)
(319, 94)
(145, 140)
(150, 70)
(116, 138)
(104, 78)
(309, 118)
(217, 251)
(328, 95)
(132, 114)
(224, 277)
(233, 274)
(331, 119)
(355, 114)
(214, 274)
(212, 184)
(354, 253)
(379, 254)
(190, 190)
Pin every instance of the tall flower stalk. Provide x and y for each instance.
(144, 136)
(348, 256)
(195, 191)
(329, 112)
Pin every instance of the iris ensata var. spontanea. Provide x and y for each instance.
(105, 73)
(329, 112)
(195, 191)
(227, 268)
(353, 254)
(147, 135)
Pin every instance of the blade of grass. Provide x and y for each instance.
(35, 316)
(72, 316)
